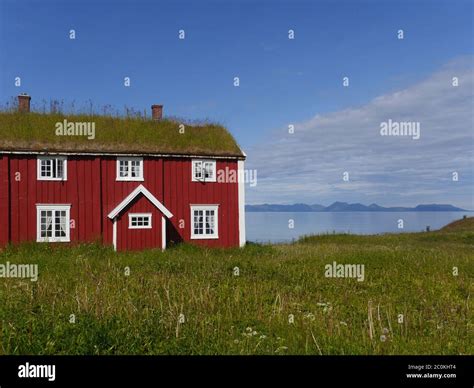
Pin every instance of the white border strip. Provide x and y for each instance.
(163, 233)
(242, 236)
(114, 234)
(128, 154)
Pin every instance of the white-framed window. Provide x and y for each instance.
(204, 222)
(203, 170)
(130, 169)
(52, 168)
(139, 221)
(53, 223)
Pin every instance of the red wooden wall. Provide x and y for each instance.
(180, 192)
(92, 190)
(81, 190)
(4, 202)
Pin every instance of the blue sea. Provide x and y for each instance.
(276, 226)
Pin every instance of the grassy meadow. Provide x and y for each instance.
(189, 300)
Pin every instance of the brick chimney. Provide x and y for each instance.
(24, 103)
(157, 112)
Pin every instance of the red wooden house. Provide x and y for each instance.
(135, 197)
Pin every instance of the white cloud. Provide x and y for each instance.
(307, 166)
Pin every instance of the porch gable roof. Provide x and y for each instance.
(139, 190)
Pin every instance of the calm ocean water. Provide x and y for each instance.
(274, 227)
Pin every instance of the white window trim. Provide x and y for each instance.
(216, 221)
(193, 170)
(51, 207)
(131, 215)
(129, 179)
(45, 178)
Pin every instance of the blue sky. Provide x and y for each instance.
(282, 81)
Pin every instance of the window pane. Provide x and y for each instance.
(54, 170)
(136, 168)
(123, 168)
(63, 223)
(45, 168)
(140, 221)
(210, 222)
(60, 165)
(209, 170)
(53, 224)
(198, 222)
(46, 223)
(130, 168)
(197, 170)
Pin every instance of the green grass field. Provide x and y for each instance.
(188, 300)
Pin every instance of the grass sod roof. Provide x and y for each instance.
(37, 132)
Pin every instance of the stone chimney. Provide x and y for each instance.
(24, 103)
(157, 112)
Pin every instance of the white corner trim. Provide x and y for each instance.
(242, 236)
(114, 233)
(163, 233)
(139, 190)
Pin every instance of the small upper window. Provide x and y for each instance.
(129, 169)
(139, 221)
(204, 170)
(52, 168)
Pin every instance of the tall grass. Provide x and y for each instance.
(130, 133)
(188, 300)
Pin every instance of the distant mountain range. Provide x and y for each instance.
(350, 207)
